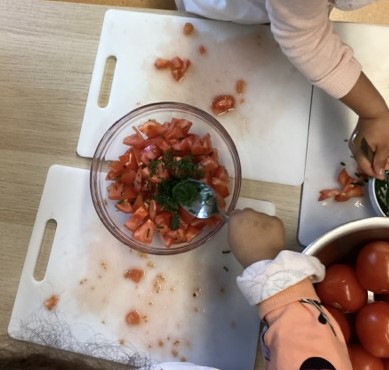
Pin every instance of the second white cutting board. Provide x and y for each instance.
(190, 306)
(269, 127)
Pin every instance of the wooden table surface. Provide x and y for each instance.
(47, 52)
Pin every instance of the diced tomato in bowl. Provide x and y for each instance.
(140, 159)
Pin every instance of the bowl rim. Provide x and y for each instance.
(334, 234)
(373, 198)
(163, 105)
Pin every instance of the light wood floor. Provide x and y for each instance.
(377, 12)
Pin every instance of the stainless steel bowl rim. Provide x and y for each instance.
(336, 233)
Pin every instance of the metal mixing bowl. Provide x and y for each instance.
(346, 240)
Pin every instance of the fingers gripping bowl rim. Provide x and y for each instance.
(111, 147)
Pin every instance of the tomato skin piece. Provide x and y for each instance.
(341, 289)
(372, 267)
(363, 360)
(372, 327)
(342, 321)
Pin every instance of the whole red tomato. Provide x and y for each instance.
(372, 327)
(341, 289)
(363, 360)
(342, 321)
(372, 266)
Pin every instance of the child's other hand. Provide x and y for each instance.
(376, 132)
(255, 236)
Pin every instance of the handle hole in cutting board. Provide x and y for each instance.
(45, 250)
(106, 82)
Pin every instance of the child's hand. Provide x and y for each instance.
(366, 101)
(376, 132)
(255, 236)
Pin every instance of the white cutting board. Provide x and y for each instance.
(190, 305)
(269, 129)
(331, 125)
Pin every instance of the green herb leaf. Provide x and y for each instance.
(185, 193)
(175, 223)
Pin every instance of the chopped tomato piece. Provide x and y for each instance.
(349, 191)
(137, 218)
(220, 186)
(162, 144)
(188, 28)
(138, 179)
(116, 166)
(179, 67)
(124, 206)
(350, 187)
(138, 202)
(166, 240)
(115, 191)
(152, 209)
(134, 274)
(161, 63)
(162, 221)
(191, 232)
(136, 140)
(182, 123)
(223, 104)
(145, 232)
(343, 177)
(208, 164)
(152, 128)
(186, 216)
(128, 177)
(221, 173)
(178, 235)
(129, 192)
(328, 193)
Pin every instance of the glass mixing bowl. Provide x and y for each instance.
(111, 146)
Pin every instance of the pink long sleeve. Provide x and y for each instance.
(301, 334)
(304, 32)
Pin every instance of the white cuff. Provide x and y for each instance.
(264, 279)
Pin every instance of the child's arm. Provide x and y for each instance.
(305, 34)
(299, 333)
